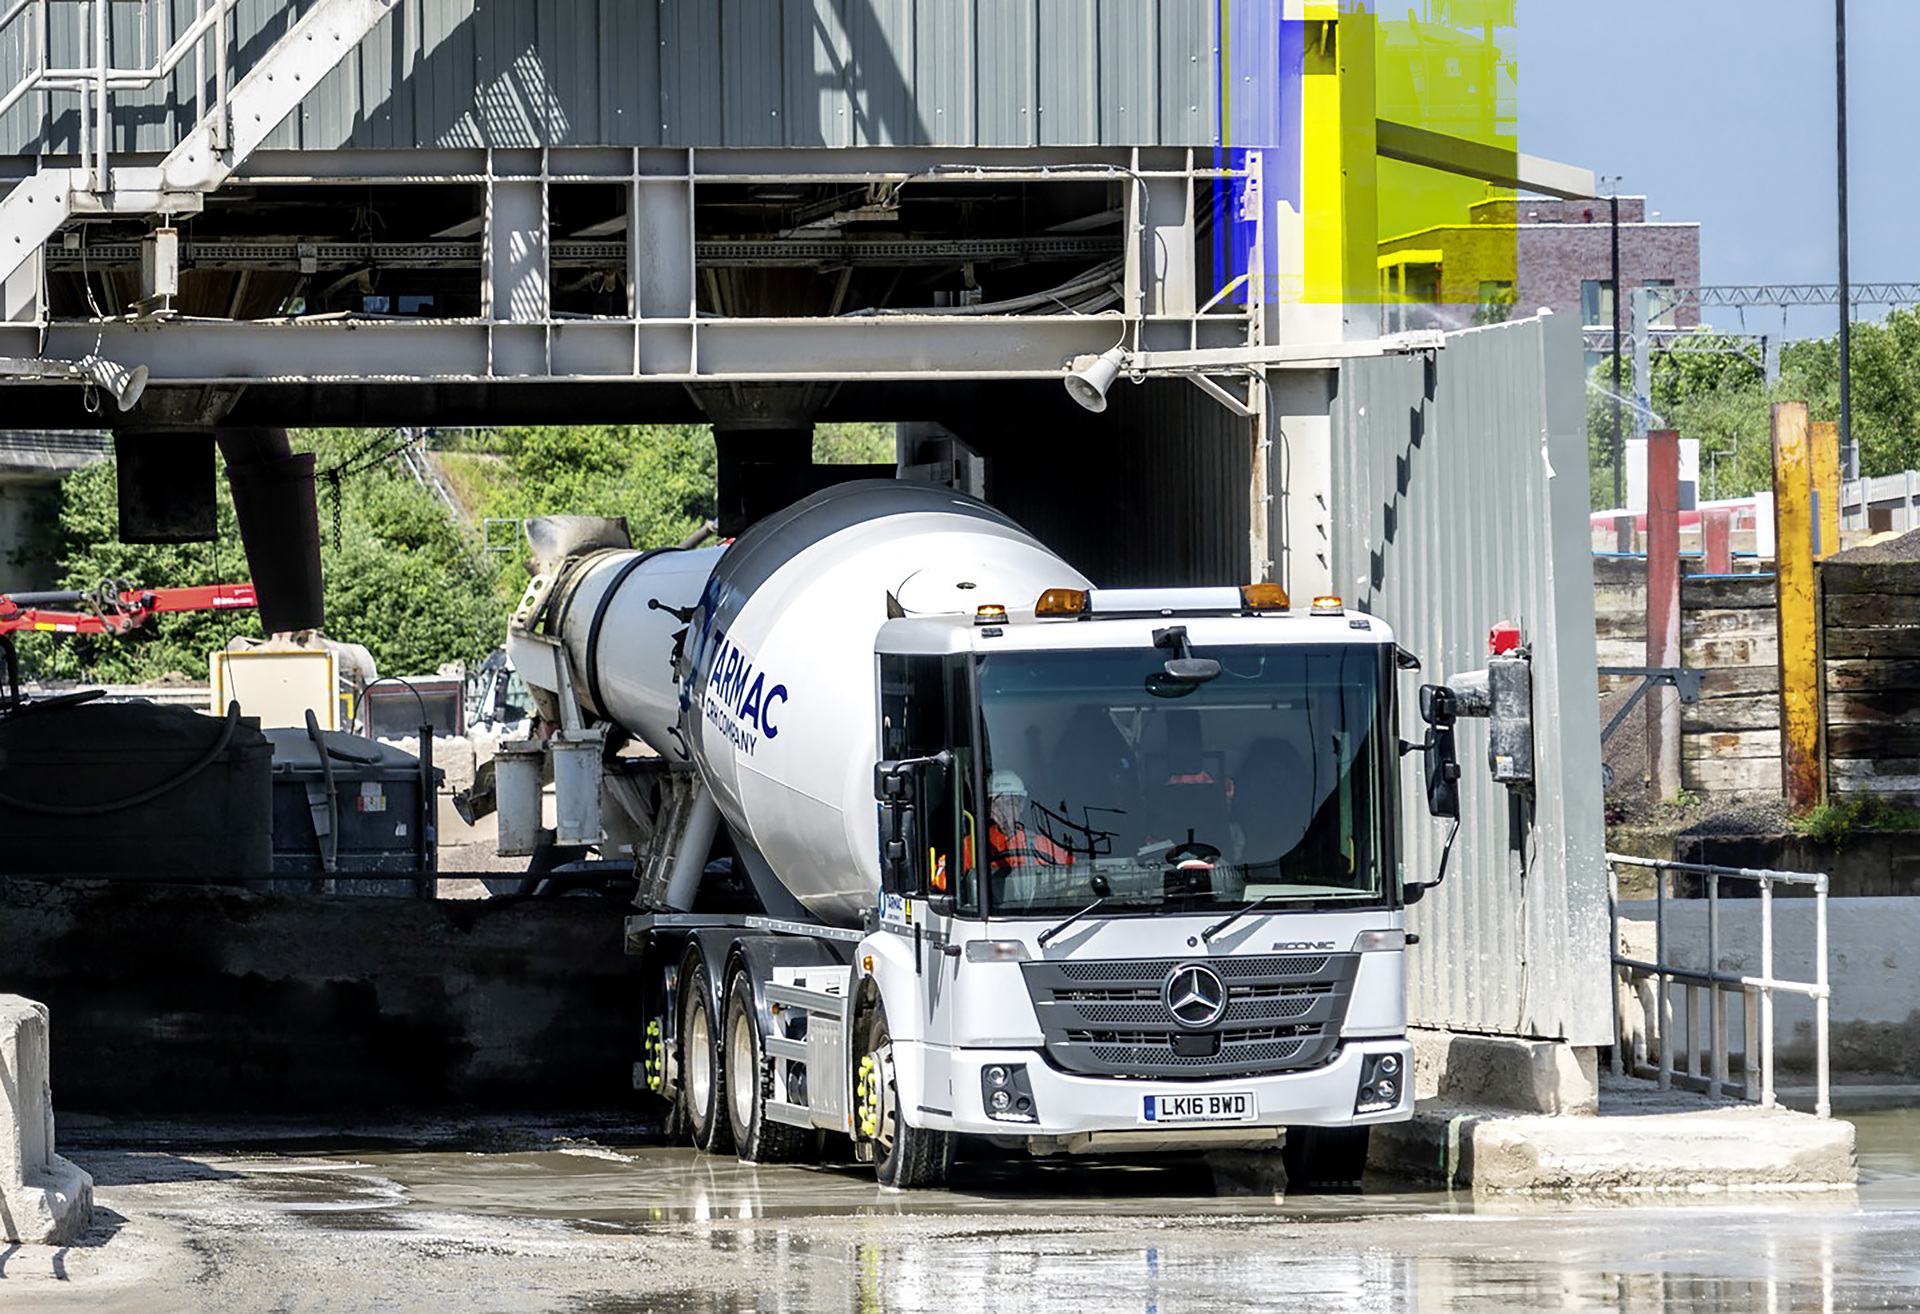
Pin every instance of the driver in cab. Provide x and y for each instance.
(1011, 841)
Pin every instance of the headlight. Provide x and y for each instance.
(1007, 1092)
(996, 951)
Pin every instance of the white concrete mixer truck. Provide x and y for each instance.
(941, 840)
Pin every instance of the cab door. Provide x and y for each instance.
(924, 712)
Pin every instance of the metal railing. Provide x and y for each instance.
(1707, 1069)
(94, 79)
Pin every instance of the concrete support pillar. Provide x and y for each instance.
(44, 1199)
(1663, 607)
(1716, 540)
(1799, 632)
(273, 499)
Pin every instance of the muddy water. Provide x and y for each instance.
(1158, 1237)
(545, 1223)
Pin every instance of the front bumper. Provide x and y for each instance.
(1068, 1106)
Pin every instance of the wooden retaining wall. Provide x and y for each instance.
(1871, 628)
(1730, 739)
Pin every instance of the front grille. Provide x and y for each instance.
(1108, 1017)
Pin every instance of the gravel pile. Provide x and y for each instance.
(1904, 548)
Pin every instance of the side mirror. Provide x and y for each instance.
(902, 789)
(1442, 759)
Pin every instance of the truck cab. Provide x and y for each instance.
(1140, 872)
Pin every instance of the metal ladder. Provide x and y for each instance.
(237, 120)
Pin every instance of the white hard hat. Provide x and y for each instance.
(1005, 782)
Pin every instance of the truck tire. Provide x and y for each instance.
(757, 1137)
(1324, 1160)
(904, 1156)
(702, 1081)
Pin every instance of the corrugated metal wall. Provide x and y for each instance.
(458, 73)
(1460, 494)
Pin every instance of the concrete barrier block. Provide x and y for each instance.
(44, 1199)
(1726, 1148)
(1711, 1150)
(1504, 1072)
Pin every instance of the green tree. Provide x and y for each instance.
(1886, 388)
(401, 576)
(660, 478)
(853, 444)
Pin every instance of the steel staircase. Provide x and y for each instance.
(230, 128)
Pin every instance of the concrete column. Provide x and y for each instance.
(1716, 536)
(1663, 607)
(44, 1200)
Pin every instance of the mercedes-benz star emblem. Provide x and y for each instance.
(1195, 995)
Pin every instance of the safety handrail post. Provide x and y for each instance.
(1663, 993)
(103, 115)
(1823, 1097)
(1716, 1021)
(1622, 977)
(1766, 994)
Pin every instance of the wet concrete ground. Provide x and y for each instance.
(524, 1218)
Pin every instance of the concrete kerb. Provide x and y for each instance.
(44, 1199)
(1642, 1141)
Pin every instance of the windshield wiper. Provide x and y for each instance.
(1221, 925)
(1052, 931)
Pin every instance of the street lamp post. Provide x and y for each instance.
(1619, 444)
(1849, 454)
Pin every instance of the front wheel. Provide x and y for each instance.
(904, 1156)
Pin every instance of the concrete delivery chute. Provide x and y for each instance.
(993, 851)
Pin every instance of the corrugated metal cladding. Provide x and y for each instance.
(1460, 499)
(1153, 491)
(748, 73)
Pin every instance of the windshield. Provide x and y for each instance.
(1105, 779)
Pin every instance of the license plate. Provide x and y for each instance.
(1219, 1106)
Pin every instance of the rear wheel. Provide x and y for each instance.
(904, 1156)
(700, 1070)
(758, 1138)
(1324, 1160)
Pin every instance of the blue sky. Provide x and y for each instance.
(1723, 112)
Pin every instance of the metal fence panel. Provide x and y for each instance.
(1460, 499)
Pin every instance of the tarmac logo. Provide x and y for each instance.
(738, 700)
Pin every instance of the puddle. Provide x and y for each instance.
(1887, 1148)
(616, 1187)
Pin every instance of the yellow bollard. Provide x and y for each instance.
(1826, 484)
(1799, 616)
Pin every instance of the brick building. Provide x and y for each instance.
(1532, 252)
